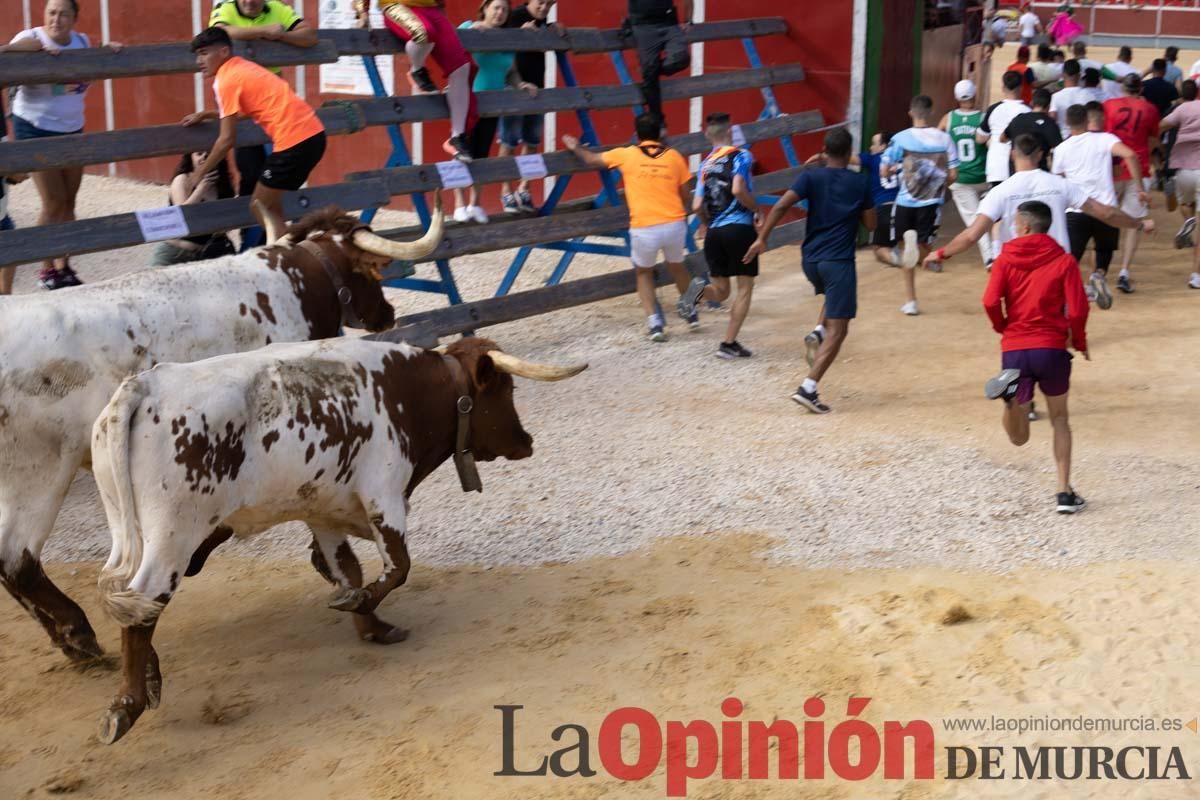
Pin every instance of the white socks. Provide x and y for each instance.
(654, 321)
(821, 330)
(458, 97)
(809, 385)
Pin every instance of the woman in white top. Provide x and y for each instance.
(40, 111)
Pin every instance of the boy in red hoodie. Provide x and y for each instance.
(1036, 302)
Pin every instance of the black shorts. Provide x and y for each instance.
(838, 281)
(1082, 228)
(883, 236)
(925, 220)
(288, 169)
(724, 248)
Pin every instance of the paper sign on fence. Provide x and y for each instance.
(531, 166)
(739, 138)
(162, 223)
(455, 174)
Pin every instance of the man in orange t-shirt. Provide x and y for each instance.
(243, 88)
(1134, 120)
(657, 190)
(1022, 68)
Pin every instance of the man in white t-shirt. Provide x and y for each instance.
(995, 120)
(1071, 94)
(1085, 160)
(1030, 26)
(1031, 183)
(1119, 68)
(1079, 51)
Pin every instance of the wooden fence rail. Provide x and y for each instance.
(160, 140)
(134, 61)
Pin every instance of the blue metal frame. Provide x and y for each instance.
(400, 158)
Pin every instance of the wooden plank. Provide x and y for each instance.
(402, 180)
(135, 61)
(101, 148)
(29, 245)
(496, 310)
(97, 63)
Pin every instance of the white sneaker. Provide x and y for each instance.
(912, 253)
(478, 214)
(1194, 283)
(910, 308)
(462, 214)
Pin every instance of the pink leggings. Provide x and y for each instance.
(429, 24)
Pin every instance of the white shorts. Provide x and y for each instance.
(1187, 185)
(1127, 192)
(646, 243)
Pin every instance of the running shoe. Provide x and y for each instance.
(1194, 283)
(525, 201)
(693, 321)
(478, 214)
(1098, 283)
(67, 277)
(1183, 239)
(732, 350)
(511, 206)
(462, 214)
(48, 280)
(912, 252)
(657, 334)
(1069, 502)
(1003, 385)
(690, 297)
(457, 147)
(910, 308)
(810, 400)
(421, 82)
(812, 343)
(1124, 284)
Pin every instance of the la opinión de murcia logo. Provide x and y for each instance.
(850, 750)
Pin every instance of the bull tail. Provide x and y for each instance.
(113, 427)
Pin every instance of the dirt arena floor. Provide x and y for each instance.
(685, 533)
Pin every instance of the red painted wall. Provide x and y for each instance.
(820, 38)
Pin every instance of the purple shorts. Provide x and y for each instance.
(1047, 367)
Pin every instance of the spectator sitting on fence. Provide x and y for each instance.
(656, 188)
(247, 20)
(423, 26)
(6, 223)
(660, 45)
(524, 132)
(53, 110)
(496, 71)
(215, 185)
(244, 88)
(725, 199)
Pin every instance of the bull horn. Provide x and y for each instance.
(405, 251)
(529, 369)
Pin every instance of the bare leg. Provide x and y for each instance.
(835, 334)
(645, 290)
(1129, 245)
(741, 306)
(503, 152)
(1016, 422)
(1060, 421)
(6, 279)
(52, 190)
(458, 199)
(886, 256)
(910, 275)
(267, 204)
(680, 274)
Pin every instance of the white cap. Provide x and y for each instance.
(964, 90)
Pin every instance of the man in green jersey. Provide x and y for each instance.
(246, 20)
(971, 186)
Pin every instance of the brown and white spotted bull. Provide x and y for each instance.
(63, 354)
(336, 434)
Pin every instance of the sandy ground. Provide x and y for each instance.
(685, 533)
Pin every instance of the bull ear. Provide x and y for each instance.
(485, 372)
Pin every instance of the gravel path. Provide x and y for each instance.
(661, 440)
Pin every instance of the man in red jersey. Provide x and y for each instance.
(1134, 120)
(1036, 302)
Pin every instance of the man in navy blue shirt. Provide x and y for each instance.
(838, 199)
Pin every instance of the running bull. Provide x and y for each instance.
(62, 355)
(337, 434)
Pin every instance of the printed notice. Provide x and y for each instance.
(531, 166)
(347, 75)
(455, 174)
(162, 223)
(739, 138)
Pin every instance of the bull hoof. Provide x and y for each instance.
(353, 600)
(116, 723)
(385, 634)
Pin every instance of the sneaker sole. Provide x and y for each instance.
(998, 384)
(1071, 509)
(658, 337)
(912, 253)
(1103, 295)
(811, 346)
(726, 356)
(1124, 289)
(808, 404)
